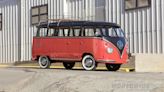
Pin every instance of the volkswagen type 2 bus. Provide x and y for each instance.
(87, 42)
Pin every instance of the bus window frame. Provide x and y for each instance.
(81, 33)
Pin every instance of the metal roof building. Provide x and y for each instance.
(142, 20)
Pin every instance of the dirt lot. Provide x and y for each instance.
(61, 80)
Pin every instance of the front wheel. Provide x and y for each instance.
(113, 67)
(89, 63)
(44, 62)
(68, 65)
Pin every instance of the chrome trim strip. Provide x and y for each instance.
(65, 59)
(106, 61)
(68, 37)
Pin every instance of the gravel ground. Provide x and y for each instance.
(61, 80)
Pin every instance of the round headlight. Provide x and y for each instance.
(110, 50)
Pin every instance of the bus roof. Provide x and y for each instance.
(77, 24)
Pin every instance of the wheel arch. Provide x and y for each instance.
(84, 54)
(37, 57)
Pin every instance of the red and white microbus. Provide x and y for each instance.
(80, 41)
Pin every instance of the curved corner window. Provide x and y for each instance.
(115, 32)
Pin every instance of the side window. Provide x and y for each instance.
(98, 32)
(71, 32)
(42, 32)
(66, 32)
(56, 32)
(61, 33)
(51, 32)
(89, 32)
(104, 32)
(77, 32)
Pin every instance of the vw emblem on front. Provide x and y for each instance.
(120, 44)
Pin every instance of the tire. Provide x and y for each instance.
(89, 63)
(44, 62)
(113, 67)
(68, 65)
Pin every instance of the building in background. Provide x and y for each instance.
(142, 21)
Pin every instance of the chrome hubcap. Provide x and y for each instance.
(44, 61)
(88, 62)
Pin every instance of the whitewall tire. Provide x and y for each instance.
(89, 63)
(44, 62)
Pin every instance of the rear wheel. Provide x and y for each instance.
(68, 65)
(89, 63)
(113, 67)
(44, 62)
